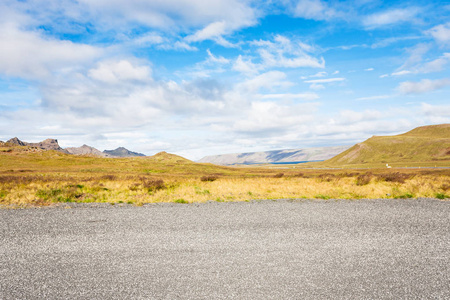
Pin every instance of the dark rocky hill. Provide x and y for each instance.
(122, 152)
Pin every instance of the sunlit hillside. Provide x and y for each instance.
(423, 146)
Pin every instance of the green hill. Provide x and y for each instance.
(427, 145)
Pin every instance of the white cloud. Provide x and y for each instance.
(178, 45)
(374, 97)
(401, 73)
(285, 53)
(278, 60)
(213, 30)
(436, 65)
(216, 59)
(416, 54)
(118, 71)
(267, 80)
(437, 113)
(313, 9)
(302, 96)
(415, 65)
(245, 66)
(390, 17)
(282, 52)
(28, 54)
(326, 80)
(425, 85)
(172, 14)
(350, 116)
(441, 33)
(384, 75)
(319, 74)
(151, 38)
(369, 69)
(317, 87)
(271, 118)
(392, 40)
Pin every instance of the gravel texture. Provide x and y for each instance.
(305, 249)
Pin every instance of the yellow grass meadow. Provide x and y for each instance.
(48, 177)
(44, 189)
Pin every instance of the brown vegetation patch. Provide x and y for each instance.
(364, 179)
(394, 177)
(209, 178)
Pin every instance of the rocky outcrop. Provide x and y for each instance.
(16, 141)
(122, 152)
(52, 144)
(86, 150)
(48, 144)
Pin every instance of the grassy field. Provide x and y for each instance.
(33, 177)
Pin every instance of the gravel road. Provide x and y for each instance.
(305, 249)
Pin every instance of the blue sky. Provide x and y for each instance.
(200, 77)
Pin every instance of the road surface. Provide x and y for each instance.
(303, 249)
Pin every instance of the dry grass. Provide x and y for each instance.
(45, 189)
(43, 178)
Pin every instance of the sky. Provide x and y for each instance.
(196, 78)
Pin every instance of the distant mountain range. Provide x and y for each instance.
(276, 156)
(52, 144)
(422, 144)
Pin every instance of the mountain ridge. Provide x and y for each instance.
(47, 144)
(52, 144)
(275, 156)
(122, 152)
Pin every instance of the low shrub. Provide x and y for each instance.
(180, 201)
(441, 196)
(404, 196)
(153, 185)
(109, 177)
(209, 178)
(326, 177)
(445, 186)
(279, 175)
(363, 179)
(394, 177)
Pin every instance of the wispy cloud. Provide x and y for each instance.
(390, 17)
(282, 52)
(246, 66)
(302, 96)
(370, 98)
(314, 9)
(441, 33)
(326, 80)
(423, 86)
